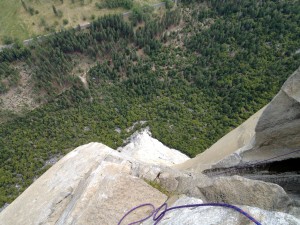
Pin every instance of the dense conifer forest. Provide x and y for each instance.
(193, 72)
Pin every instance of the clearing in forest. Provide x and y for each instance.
(23, 19)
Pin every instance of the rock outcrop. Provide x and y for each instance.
(224, 147)
(219, 215)
(144, 148)
(277, 132)
(265, 147)
(91, 185)
(242, 191)
(95, 184)
(273, 131)
(278, 129)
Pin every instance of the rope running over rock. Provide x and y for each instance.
(158, 216)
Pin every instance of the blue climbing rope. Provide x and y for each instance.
(164, 207)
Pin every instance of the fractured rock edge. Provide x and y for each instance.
(96, 185)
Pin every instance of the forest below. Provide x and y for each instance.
(193, 72)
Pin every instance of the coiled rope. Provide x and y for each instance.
(164, 207)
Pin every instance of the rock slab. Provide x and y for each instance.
(209, 215)
(90, 185)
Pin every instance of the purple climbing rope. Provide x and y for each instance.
(157, 218)
(135, 208)
(164, 207)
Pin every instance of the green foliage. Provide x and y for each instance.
(243, 53)
(169, 4)
(43, 22)
(18, 52)
(159, 187)
(31, 10)
(54, 10)
(8, 77)
(65, 21)
(57, 12)
(137, 15)
(126, 4)
(7, 40)
(24, 5)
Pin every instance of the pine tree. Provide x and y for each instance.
(54, 10)
(24, 5)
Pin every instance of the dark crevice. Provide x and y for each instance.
(285, 173)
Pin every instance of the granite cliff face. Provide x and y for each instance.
(271, 132)
(224, 147)
(265, 147)
(95, 184)
(277, 131)
(91, 185)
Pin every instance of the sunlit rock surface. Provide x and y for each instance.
(91, 185)
(208, 215)
(143, 147)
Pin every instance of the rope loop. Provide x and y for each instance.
(135, 208)
(164, 207)
(162, 214)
